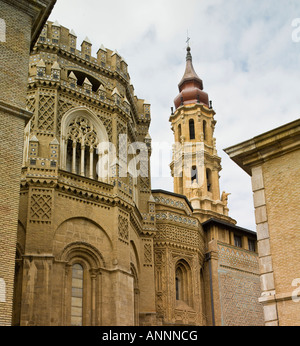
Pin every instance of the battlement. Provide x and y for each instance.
(105, 78)
(55, 35)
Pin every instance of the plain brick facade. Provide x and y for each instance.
(14, 54)
(19, 25)
(273, 161)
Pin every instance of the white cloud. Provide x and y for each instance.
(243, 51)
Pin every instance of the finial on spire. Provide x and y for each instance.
(188, 48)
(188, 54)
(188, 39)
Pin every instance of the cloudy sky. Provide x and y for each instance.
(246, 52)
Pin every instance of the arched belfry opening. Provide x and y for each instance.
(183, 282)
(209, 180)
(81, 77)
(83, 140)
(192, 128)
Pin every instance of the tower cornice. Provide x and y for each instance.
(201, 109)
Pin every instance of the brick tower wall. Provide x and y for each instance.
(14, 52)
(239, 284)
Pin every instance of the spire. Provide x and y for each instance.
(190, 74)
(190, 86)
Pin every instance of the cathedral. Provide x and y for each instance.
(86, 241)
(95, 244)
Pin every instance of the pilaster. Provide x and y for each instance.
(264, 249)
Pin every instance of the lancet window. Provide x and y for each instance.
(192, 129)
(183, 282)
(194, 174)
(204, 130)
(179, 133)
(77, 295)
(208, 180)
(178, 283)
(82, 142)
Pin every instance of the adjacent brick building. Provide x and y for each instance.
(272, 160)
(20, 24)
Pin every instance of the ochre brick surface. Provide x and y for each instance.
(76, 216)
(282, 186)
(18, 18)
(10, 163)
(14, 55)
(273, 161)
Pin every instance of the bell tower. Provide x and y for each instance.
(195, 164)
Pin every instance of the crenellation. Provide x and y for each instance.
(54, 36)
(109, 64)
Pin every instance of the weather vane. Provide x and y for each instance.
(188, 39)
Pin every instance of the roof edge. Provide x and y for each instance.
(227, 224)
(175, 195)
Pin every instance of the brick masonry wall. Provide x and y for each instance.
(10, 162)
(239, 287)
(14, 54)
(282, 186)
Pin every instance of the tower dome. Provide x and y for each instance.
(190, 86)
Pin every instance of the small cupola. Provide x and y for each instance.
(190, 86)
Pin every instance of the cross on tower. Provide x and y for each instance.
(188, 40)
